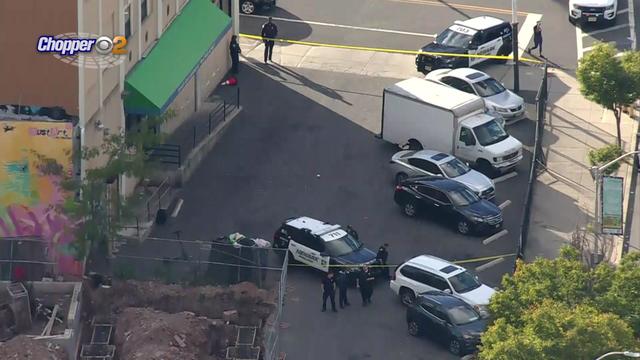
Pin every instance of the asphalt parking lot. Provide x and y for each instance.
(304, 145)
(618, 33)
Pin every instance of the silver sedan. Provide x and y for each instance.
(409, 163)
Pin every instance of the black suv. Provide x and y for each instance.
(448, 319)
(484, 35)
(250, 6)
(449, 200)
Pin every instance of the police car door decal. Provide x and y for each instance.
(309, 256)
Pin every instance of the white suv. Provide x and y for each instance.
(592, 11)
(426, 272)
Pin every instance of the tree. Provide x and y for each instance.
(99, 213)
(609, 81)
(564, 309)
(553, 330)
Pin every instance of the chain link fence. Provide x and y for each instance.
(272, 328)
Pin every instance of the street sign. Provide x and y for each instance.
(611, 204)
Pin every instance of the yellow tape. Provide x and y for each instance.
(393, 51)
(486, 258)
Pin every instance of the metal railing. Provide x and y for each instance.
(536, 160)
(159, 199)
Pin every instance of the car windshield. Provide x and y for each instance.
(453, 39)
(488, 87)
(463, 197)
(454, 168)
(490, 133)
(464, 282)
(342, 246)
(461, 315)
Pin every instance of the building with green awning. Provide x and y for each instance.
(190, 41)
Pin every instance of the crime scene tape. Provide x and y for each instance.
(387, 50)
(465, 261)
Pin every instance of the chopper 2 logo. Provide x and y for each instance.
(78, 49)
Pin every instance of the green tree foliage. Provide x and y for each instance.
(553, 330)
(610, 81)
(561, 309)
(98, 211)
(605, 154)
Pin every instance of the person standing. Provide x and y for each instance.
(537, 38)
(382, 256)
(234, 51)
(328, 292)
(342, 281)
(269, 33)
(365, 283)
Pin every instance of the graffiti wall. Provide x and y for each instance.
(27, 197)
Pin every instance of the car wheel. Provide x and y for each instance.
(414, 328)
(400, 177)
(414, 144)
(248, 7)
(407, 296)
(455, 347)
(410, 209)
(485, 167)
(463, 227)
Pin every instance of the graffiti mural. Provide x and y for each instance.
(27, 196)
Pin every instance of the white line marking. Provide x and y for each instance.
(526, 32)
(613, 28)
(504, 204)
(489, 264)
(579, 42)
(343, 26)
(178, 208)
(495, 237)
(505, 177)
(623, 11)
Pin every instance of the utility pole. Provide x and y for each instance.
(514, 36)
(235, 16)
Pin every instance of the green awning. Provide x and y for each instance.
(156, 80)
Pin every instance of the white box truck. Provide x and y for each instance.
(422, 114)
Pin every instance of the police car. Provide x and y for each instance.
(320, 244)
(484, 35)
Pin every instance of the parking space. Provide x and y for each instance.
(617, 33)
(305, 145)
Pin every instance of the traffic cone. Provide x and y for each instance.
(230, 81)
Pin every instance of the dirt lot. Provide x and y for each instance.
(24, 348)
(156, 321)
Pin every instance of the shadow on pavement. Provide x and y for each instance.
(290, 30)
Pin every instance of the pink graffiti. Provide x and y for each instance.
(51, 132)
(44, 222)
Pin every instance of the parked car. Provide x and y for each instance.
(496, 97)
(448, 320)
(320, 244)
(425, 273)
(593, 11)
(450, 201)
(408, 163)
(484, 35)
(249, 7)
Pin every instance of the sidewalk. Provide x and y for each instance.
(370, 63)
(564, 194)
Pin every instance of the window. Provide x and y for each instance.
(463, 197)
(433, 311)
(307, 239)
(411, 272)
(458, 84)
(488, 87)
(461, 315)
(490, 133)
(453, 38)
(425, 165)
(464, 282)
(466, 136)
(127, 21)
(168, 9)
(436, 282)
(345, 245)
(144, 10)
(454, 168)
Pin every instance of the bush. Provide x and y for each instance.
(601, 156)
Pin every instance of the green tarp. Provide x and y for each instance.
(155, 81)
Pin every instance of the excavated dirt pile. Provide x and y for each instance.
(143, 333)
(23, 348)
(155, 321)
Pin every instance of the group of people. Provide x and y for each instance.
(364, 282)
(269, 33)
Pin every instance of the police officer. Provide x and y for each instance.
(365, 284)
(328, 291)
(234, 51)
(269, 32)
(537, 38)
(342, 281)
(382, 256)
